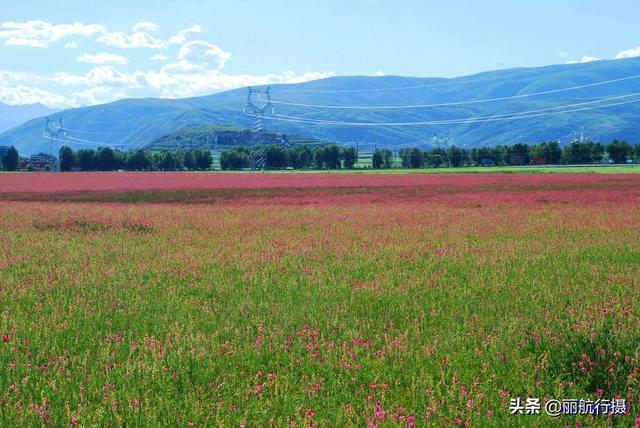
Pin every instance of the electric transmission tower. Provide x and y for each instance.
(52, 131)
(258, 155)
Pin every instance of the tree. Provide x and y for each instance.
(203, 159)
(435, 157)
(519, 154)
(139, 161)
(319, 157)
(332, 157)
(457, 156)
(189, 160)
(11, 159)
(618, 151)
(234, 159)
(387, 158)
(350, 156)
(635, 153)
(578, 153)
(377, 161)
(86, 159)
(300, 156)
(67, 158)
(106, 159)
(276, 157)
(411, 158)
(168, 162)
(546, 153)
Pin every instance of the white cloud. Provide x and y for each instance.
(182, 35)
(197, 70)
(379, 73)
(41, 34)
(102, 58)
(628, 53)
(106, 83)
(134, 40)
(200, 55)
(71, 45)
(586, 59)
(145, 26)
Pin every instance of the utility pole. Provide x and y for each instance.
(258, 154)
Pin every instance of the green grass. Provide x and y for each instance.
(248, 313)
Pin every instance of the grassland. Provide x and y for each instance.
(316, 300)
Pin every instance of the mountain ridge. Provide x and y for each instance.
(134, 123)
(14, 115)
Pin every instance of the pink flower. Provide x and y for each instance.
(411, 421)
(310, 413)
(470, 403)
(74, 421)
(490, 414)
(259, 389)
(6, 338)
(379, 412)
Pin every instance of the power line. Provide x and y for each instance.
(48, 137)
(458, 121)
(505, 115)
(455, 103)
(91, 132)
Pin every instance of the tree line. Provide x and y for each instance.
(336, 157)
(107, 159)
(549, 153)
(297, 157)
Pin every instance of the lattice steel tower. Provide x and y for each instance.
(258, 155)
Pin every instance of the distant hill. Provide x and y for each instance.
(11, 116)
(210, 137)
(138, 122)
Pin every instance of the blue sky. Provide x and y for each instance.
(71, 52)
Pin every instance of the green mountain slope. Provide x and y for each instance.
(135, 122)
(210, 137)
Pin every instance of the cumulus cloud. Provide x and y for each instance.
(629, 53)
(71, 45)
(198, 67)
(182, 35)
(106, 83)
(102, 58)
(585, 59)
(200, 55)
(145, 26)
(41, 34)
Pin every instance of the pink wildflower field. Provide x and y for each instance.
(316, 300)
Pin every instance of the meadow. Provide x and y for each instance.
(316, 300)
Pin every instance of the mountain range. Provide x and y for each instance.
(134, 123)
